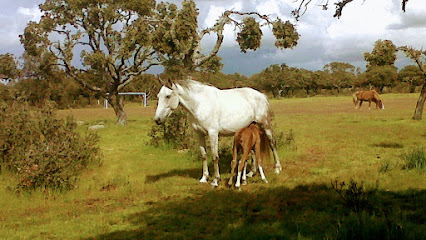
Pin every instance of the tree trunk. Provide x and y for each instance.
(412, 87)
(118, 105)
(420, 103)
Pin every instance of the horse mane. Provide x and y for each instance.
(190, 83)
(376, 95)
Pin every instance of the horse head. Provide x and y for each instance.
(380, 104)
(168, 101)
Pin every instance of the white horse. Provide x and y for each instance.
(213, 111)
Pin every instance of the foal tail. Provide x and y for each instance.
(264, 146)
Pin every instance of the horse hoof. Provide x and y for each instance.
(277, 171)
(250, 174)
(266, 181)
(244, 182)
(214, 183)
(203, 179)
(230, 182)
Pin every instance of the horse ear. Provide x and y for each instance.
(160, 80)
(169, 84)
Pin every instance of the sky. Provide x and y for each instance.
(323, 39)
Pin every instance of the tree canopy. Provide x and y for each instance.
(104, 44)
(8, 67)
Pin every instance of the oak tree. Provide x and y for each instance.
(418, 56)
(8, 66)
(104, 44)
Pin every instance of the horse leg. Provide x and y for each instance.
(360, 103)
(253, 165)
(214, 142)
(201, 138)
(234, 161)
(369, 104)
(357, 104)
(273, 146)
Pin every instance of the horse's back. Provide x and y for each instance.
(365, 95)
(242, 105)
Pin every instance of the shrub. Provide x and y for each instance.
(365, 226)
(43, 150)
(175, 131)
(416, 159)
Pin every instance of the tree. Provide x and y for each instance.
(412, 75)
(381, 76)
(340, 74)
(112, 39)
(419, 56)
(340, 4)
(178, 41)
(384, 53)
(118, 40)
(381, 71)
(271, 79)
(8, 67)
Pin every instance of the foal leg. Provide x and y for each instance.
(241, 165)
(233, 165)
(244, 182)
(214, 141)
(201, 138)
(253, 165)
(260, 161)
(369, 104)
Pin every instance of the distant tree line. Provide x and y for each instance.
(37, 85)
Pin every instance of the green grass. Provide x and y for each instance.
(142, 192)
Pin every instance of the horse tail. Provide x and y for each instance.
(354, 97)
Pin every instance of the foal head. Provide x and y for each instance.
(168, 101)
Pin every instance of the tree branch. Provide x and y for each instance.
(130, 76)
(339, 8)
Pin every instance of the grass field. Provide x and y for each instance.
(142, 192)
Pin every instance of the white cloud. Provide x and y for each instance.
(33, 14)
(323, 38)
(414, 20)
(13, 24)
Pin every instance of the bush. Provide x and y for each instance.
(43, 150)
(365, 226)
(175, 131)
(416, 159)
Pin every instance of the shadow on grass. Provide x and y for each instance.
(195, 173)
(308, 211)
(388, 145)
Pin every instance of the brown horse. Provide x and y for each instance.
(245, 140)
(370, 96)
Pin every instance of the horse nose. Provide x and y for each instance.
(157, 121)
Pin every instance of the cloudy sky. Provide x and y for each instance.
(324, 39)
